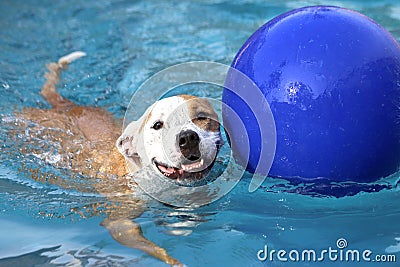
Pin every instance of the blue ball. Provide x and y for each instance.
(331, 77)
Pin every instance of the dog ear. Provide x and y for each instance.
(127, 143)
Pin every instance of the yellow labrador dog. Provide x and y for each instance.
(90, 143)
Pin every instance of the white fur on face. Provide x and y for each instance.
(159, 146)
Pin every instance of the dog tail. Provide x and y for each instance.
(49, 89)
(68, 59)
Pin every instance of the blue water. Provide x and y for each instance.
(127, 42)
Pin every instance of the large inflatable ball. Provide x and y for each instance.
(331, 77)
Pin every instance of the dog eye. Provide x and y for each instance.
(157, 125)
(202, 116)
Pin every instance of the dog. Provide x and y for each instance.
(190, 123)
(178, 136)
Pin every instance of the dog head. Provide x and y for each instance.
(178, 136)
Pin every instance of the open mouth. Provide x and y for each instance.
(191, 171)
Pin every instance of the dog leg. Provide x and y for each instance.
(49, 90)
(130, 234)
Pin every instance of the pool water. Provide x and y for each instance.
(127, 42)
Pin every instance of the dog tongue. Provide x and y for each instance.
(169, 170)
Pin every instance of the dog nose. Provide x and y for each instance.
(189, 142)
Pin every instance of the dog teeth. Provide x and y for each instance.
(192, 166)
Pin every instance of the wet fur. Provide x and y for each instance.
(86, 145)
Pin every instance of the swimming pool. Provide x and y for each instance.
(126, 43)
